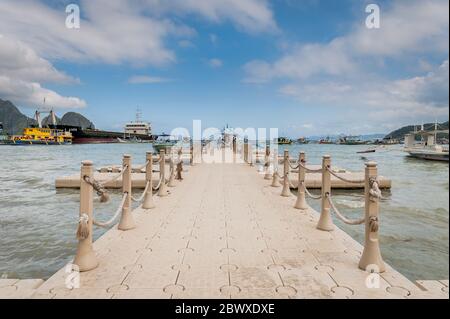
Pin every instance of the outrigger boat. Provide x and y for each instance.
(326, 140)
(284, 141)
(351, 140)
(427, 148)
(165, 142)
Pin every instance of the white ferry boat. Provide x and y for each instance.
(426, 148)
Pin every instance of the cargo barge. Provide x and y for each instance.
(94, 136)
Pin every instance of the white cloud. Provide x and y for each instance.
(252, 16)
(186, 44)
(32, 94)
(384, 101)
(303, 62)
(113, 31)
(17, 60)
(215, 63)
(408, 27)
(145, 79)
(349, 76)
(21, 70)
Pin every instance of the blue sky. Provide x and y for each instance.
(307, 67)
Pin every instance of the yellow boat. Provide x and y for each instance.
(42, 136)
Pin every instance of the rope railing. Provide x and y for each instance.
(114, 178)
(309, 194)
(343, 178)
(158, 185)
(85, 257)
(295, 166)
(139, 199)
(342, 217)
(309, 170)
(114, 217)
(371, 254)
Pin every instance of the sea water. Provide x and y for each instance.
(38, 222)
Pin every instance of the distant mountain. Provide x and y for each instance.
(47, 121)
(366, 137)
(401, 132)
(14, 121)
(76, 119)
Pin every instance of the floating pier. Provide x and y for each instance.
(229, 231)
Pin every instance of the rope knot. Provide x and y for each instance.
(83, 229)
(374, 192)
(99, 189)
(373, 224)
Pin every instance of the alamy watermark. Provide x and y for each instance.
(373, 19)
(72, 280)
(373, 279)
(73, 16)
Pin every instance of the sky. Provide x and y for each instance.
(306, 67)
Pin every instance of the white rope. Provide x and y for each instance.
(375, 191)
(294, 167)
(103, 183)
(141, 167)
(310, 170)
(342, 217)
(170, 174)
(159, 184)
(343, 178)
(309, 194)
(134, 199)
(119, 210)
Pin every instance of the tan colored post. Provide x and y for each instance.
(275, 179)
(172, 173)
(301, 200)
(250, 153)
(286, 192)
(267, 176)
(85, 257)
(126, 219)
(148, 199)
(325, 220)
(162, 174)
(192, 153)
(371, 255)
(246, 151)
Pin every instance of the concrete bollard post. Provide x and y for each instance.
(301, 200)
(191, 160)
(162, 174)
(275, 179)
(371, 255)
(325, 221)
(171, 182)
(267, 176)
(250, 154)
(126, 219)
(246, 151)
(148, 199)
(286, 192)
(85, 257)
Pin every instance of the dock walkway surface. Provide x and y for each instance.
(225, 233)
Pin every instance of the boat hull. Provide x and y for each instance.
(431, 157)
(34, 142)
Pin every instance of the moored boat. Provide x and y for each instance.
(164, 142)
(426, 148)
(284, 141)
(351, 140)
(41, 136)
